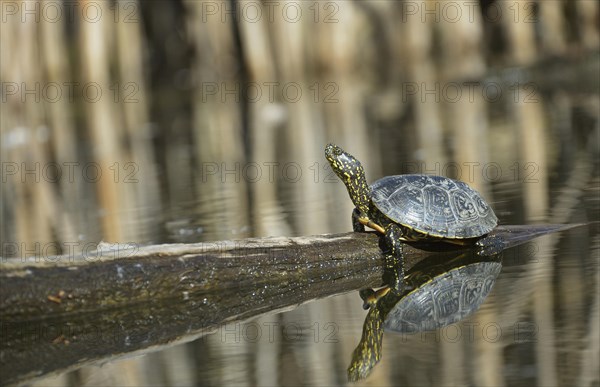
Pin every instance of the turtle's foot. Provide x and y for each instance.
(490, 245)
(360, 220)
(370, 297)
(394, 260)
(357, 226)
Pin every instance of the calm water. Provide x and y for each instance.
(538, 326)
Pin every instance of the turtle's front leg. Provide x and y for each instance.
(371, 297)
(360, 220)
(394, 259)
(356, 224)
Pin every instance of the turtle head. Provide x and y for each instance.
(352, 174)
(368, 352)
(345, 166)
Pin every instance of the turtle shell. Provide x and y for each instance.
(434, 205)
(444, 300)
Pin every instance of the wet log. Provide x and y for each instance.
(64, 312)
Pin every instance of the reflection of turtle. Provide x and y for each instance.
(441, 297)
(412, 207)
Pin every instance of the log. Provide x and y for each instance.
(67, 311)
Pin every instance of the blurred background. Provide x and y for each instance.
(185, 121)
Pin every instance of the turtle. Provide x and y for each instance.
(439, 299)
(412, 208)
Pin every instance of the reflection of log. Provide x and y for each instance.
(78, 309)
